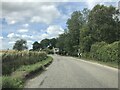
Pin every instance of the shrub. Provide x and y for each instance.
(86, 55)
(49, 51)
(105, 52)
(94, 49)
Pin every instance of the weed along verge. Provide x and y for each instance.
(39, 69)
(15, 79)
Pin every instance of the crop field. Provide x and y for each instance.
(19, 62)
(11, 60)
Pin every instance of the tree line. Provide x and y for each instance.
(84, 29)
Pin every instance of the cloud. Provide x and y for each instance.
(41, 0)
(92, 3)
(54, 30)
(27, 37)
(13, 36)
(1, 37)
(47, 15)
(26, 25)
(23, 30)
(29, 41)
(30, 12)
(6, 43)
(11, 42)
(12, 22)
(29, 44)
(51, 31)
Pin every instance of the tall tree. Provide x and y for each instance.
(60, 42)
(20, 45)
(85, 39)
(45, 43)
(74, 24)
(68, 44)
(102, 23)
(52, 43)
(36, 46)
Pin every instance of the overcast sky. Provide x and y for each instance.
(35, 21)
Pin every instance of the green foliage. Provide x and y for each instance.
(102, 28)
(36, 46)
(87, 42)
(44, 44)
(74, 24)
(48, 43)
(27, 69)
(105, 52)
(91, 33)
(48, 51)
(20, 45)
(17, 79)
(12, 60)
(103, 24)
(64, 43)
(68, 43)
(60, 41)
(52, 43)
(13, 83)
(86, 55)
(85, 39)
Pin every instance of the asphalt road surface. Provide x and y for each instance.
(69, 72)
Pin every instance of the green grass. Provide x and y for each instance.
(0, 82)
(26, 69)
(17, 78)
(111, 64)
(10, 82)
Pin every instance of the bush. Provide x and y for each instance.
(9, 82)
(105, 52)
(49, 51)
(95, 49)
(86, 55)
(13, 60)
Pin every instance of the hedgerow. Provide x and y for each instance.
(105, 52)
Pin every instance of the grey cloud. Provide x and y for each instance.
(21, 12)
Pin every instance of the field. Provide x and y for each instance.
(17, 64)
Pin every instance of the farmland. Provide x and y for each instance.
(22, 62)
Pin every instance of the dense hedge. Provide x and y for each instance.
(12, 60)
(105, 52)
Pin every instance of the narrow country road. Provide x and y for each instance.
(69, 72)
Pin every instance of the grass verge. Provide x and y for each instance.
(17, 78)
(111, 64)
